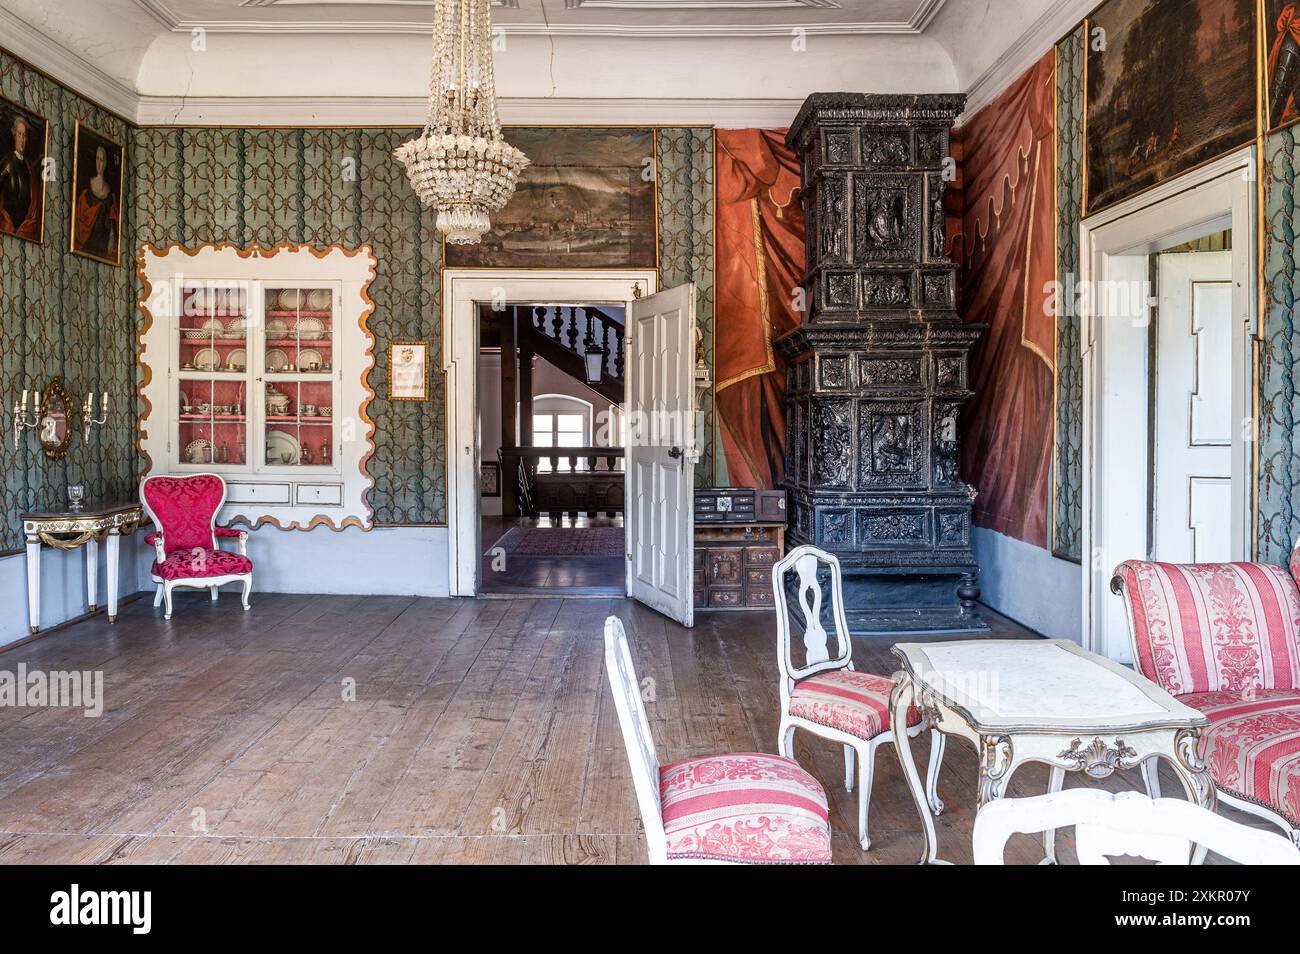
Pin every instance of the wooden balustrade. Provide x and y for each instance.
(568, 486)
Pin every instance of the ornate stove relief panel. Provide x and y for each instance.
(950, 371)
(841, 290)
(938, 231)
(946, 468)
(930, 146)
(954, 528)
(834, 371)
(798, 445)
(832, 220)
(893, 527)
(887, 289)
(836, 529)
(886, 218)
(885, 372)
(892, 451)
(886, 148)
(832, 444)
(937, 289)
(839, 147)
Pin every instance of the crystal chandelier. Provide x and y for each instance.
(460, 164)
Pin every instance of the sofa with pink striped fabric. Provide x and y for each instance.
(1224, 638)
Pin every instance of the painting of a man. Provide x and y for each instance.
(97, 211)
(1282, 26)
(22, 188)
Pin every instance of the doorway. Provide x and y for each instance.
(1169, 285)
(551, 391)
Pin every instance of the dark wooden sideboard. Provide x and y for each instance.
(733, 563)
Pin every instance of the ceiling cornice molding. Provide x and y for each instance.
(1058, 20)
(410, 111)
(45, 54)
(925, 12)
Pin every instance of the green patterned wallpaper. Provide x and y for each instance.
(61, 314)
(1067, 468)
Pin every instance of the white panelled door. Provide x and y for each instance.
(1193, 408)
(661, 451)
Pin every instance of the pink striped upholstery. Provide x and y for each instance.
(853, 702)
(1252, 747)
(751, 808)
(1214, 626)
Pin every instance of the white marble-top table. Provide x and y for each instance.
(1046, 701)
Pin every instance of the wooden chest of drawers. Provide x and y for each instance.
(733, 564)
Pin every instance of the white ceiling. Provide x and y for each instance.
(724, 62)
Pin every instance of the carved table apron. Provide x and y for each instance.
(69, 530)
(1046, 701)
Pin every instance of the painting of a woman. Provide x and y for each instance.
(97, 211)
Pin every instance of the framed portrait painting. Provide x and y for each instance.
(97, 169)
(1282, 66)
(408, 370)
(489, 478)
(1170, 86)
(24, 144)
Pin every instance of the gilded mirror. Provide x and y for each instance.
(55, 428)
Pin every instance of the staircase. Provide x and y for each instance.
(563, 334)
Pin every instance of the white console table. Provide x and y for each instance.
(71, 530)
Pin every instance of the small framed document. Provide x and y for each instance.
(408, 370)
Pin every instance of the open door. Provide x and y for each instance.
(661, 451)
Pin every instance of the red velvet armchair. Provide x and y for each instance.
(1224, 638)
(184, 511)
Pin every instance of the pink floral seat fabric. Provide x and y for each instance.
(853, 702)
(200, 563)
(1224, 638)
(1252, 747)
(750, 808)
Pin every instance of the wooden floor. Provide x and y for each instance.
(552, 574)
(481, 731)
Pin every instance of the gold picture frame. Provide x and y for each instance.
(408, 369)
(95, 229)
(21, 174)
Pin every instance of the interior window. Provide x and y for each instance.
(556, 429)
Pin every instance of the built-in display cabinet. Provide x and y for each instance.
(255, 364)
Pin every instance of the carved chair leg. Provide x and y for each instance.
(248, 588)
(848, 768)
(214, 593)
(167, 601)
(866, 762)
(158, 596)
(1055, 782)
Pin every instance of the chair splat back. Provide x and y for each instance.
(806, 562)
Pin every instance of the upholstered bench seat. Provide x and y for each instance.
(1252, 747)
(749, 808)
(853, 702)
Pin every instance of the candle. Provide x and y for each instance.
(24, 400)
(90, 401)
(104, 404)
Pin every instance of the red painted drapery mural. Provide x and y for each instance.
(760, 257)
(1007, 247)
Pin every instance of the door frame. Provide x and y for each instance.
(463, 290)
(1115, 246)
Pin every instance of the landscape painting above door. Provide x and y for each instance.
(586, 200)
(1171, 84)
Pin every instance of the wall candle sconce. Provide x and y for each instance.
(22, 420)
(88, 414)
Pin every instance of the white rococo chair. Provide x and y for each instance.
(749, 808)
(1163, 830)
(826, 695)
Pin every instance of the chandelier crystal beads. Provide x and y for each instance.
(460, 164)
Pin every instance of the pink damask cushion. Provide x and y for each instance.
(750, 808)
(1252, 747)
(853, 702)
(200, 563)
(1202, 627)
(184, 508)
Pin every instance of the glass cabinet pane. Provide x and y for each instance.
(299, 423)
(299, 330)
(213, 425)
(213, 326)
